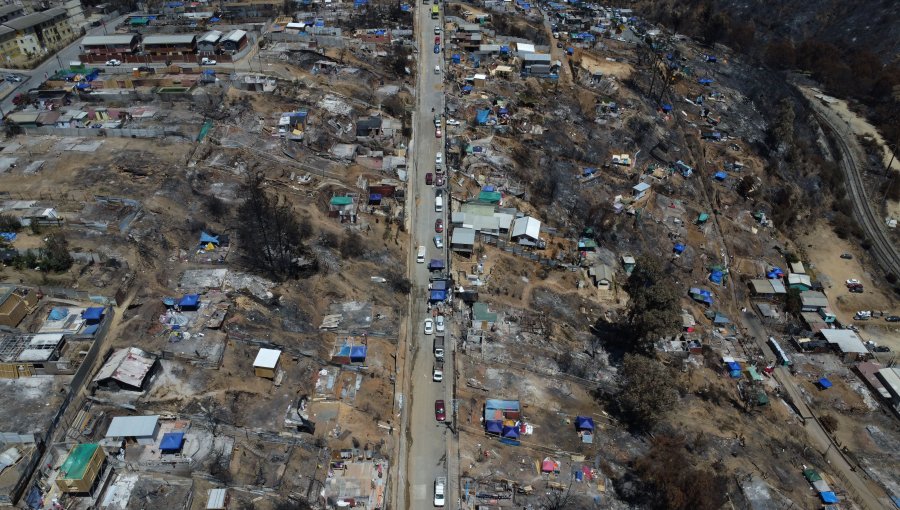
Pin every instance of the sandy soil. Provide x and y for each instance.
(593, 63)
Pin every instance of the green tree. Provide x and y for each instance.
(9, 223)
(647, 392)
(654, 304)
(55, 254)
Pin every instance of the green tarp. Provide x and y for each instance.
(341, 200)
(77, 462)
(811, 475)
(702, 218)
(493, 197)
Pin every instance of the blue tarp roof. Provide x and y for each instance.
(588, 171)
(733, 365)
(481, 116)
(207, 238)
(436, 263)
(716, 277)
(584, 423)
(90, 330)
(358, 353)
(94, 313)
(828, 497)
(374, 196)
(404, 8)
(504, 49)
(214, 19)
(488, 188)
(58, 314)
(171, 441)
(667, 108)
(679, 248)
(825, 383)
(493, 426)
(189, 300)
(438, 295)
(467, 88)
(8, 236)
(720, 175)
(704, 81)
(511, 432)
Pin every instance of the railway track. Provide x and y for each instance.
(883, 249)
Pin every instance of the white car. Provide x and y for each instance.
(452, 122)
(113, 62)
(439, 324)
(438, 242)
(440, 486)
(437, 69)
(429, 327)
(853, 281)
(439, 158)
(437, 30)
(438, 374)
(207, 62)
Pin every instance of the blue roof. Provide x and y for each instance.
(208, 238)
(493, 426)
(720, 175)
(436, 263)
(734, 365)
(667, 108)
(716, 276)
(510, 431)
(504, 49)
(825, 383)
(679, 248)
(171, 441)
(94, 313)
(189, 300)
(215, 19)
(374, 196)
(828, 497)
(481, 116)
(704, 81)
(584, 423)
(438, 295)
(588, 171)
(358, 353)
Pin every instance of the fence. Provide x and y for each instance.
(72, 295)
(521, 251)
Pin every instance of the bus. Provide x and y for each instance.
(783, 359)
(435, 12)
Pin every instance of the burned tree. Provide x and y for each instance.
(654, 304)
(270, 235)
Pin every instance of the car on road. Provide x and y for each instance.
(429, 327)
(437, 48)
(437, 133)
(439, 181)
(437, 375)
(892, 318)
(855, 289)
(438, 168)
(207, 62)
(846, 256)
(439, 324)
(146, 69)
(439, 225)
(440, 486)
(429, 178)
(863, 315)
(437, 69)
(13, 77)
(852, 281)
(440, 413)
(437, 39)
(452, 122)
(113, 62)
(437, 30)
(881, 348)
(438, 241)
(439, 158)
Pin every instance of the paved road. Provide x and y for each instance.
(426, 454)
(852, 162)
(53, 64)
(865, 493)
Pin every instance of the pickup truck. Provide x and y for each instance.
(439, 347)
(438, 373)
(440, 487)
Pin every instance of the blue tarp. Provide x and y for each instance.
(320, 23)
(467, 88)
(171, 441)
(209, 72)
(94, 313)
(825, 383)
(493, 426)
(82, 86)
(214, 20)
(207, 238)
(775, 273)
(510, 432)
(436, 264)
(734, 365)
(667, 108)
(33, 499)
(504, 49)
(58, 314)
(704, 81)
(679, 248)
(701, 295)
(456, 58)
(189, 300)
(374, 197)
(716, 277)
(438, 295)
(584, 423)
(720, 175)
(711, 58)
(358, 353)
(8, 236)
(404, 8)
(481, 116)
(90, 330)
(828, 497)
(588, 171)
(503, 111)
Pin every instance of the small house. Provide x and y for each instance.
(799, 281)
(526, 231)
(797, 267)
(846, 343)
(171, 443)
(602, 276)
(482, 317)
(812, 301)
(266, 363)
(640, 190)
(368, 127)
(81, 470)
(890, 381)
(234, 41)
(628, 263)
(208, 42)
(15, 304)
(140, 430)
(126, 369)
(462, 240)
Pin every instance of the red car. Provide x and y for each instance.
(428, 178)
(439, 226)
(437, 39)
(439, 413)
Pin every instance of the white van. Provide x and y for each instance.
(420, 256)
(438, 204)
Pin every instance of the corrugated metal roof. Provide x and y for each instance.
(132, 426)
(891, 377)
(212, 36)
(235, 35)
(35, 18)
(846, 340)
(216, 499)
(169, 39)
(107, 40)
(128, 366)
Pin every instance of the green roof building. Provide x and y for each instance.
(81, 468)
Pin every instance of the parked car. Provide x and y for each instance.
(429, 327)
(437, 39)
(113, 62)
(439, 181)
(146, 69)
(856, 289)
(452, 122)
(846, 256)
(429, 178)
(438, 241)
(13, 77)
(440, 413)
(852, 281)
(440, 487)
(207, 62)
(437, 69)
(892, 318)
(438, 158)
(439, 324)
(439, 225)
(438, 168)
(437, 48)
(437, 30)
(882, 348)
(437, 133)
